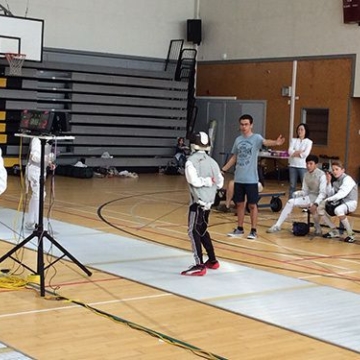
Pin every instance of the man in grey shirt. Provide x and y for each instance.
(245, 153)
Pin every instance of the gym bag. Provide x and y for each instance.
(300, 228)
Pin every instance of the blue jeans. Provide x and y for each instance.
(294, 174)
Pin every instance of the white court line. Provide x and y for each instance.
(297, 253)
(76, 306)
(321, 275)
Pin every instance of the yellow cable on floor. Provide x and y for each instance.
(12, 282)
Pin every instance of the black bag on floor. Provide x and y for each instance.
(74, 171)
(172, 170)
(300, 228)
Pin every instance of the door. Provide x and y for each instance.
(226, 113)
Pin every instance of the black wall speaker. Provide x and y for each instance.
(194, 31)
(351, 11)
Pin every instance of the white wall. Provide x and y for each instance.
(255, 29)
(126, 27)
(241, 29)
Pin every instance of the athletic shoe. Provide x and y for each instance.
(332, 234)
(212, 265)
(273, 229)
(252, 235)
(350, 239)
(195, 270)
(236, 233)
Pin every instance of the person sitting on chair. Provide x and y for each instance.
(313, 192)
(345, 190)
(181, 152)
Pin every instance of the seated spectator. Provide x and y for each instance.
(181, 151)
(313, 192)
(345, 189)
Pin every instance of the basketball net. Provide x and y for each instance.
(15, 62)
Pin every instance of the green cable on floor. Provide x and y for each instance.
(197, 351)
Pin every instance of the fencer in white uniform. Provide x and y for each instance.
(3, 175)
(32, 176)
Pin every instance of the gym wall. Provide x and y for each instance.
(126, 27)
(322, 82)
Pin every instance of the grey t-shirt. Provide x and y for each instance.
(247, 151)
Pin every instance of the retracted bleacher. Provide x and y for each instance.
(134, 115)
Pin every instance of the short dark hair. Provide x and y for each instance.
(313, 158)
(307, 130)
(338, 163)
(246, 117)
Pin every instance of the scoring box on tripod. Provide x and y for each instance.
(38, 122)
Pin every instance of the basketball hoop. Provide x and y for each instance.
(15, 62)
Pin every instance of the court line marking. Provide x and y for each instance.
(78, 306)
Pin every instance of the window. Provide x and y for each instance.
(318, 122)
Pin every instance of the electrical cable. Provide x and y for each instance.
(12, 282)
(16, 283)
(167, 339)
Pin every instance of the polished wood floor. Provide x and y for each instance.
(154, 208)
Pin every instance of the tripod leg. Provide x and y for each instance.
(66, 253)
(40, 233)
(18, 246)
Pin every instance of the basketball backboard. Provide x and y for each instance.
(21, 35)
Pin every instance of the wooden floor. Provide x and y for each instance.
(154, 208)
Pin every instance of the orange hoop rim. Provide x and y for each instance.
(15, 56)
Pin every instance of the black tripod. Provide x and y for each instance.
(40, 233)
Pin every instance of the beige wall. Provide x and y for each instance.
(269, 29)
(321, 83)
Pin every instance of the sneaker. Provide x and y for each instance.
(252, 235)
(332, 234)
(195, 270)
(273, 229)
(350, 239)
(236, 233)
(212, 265)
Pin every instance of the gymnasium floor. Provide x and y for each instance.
(317, 311)
(318, 301)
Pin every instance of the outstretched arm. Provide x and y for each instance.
(279, 141)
